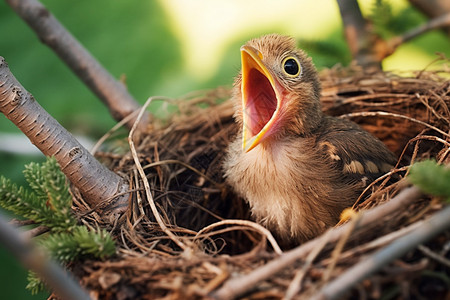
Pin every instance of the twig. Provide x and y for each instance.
(179, 162)
(437, 257)
(52, 33)
(381, 241)
(20, 223)
(122, 122)
(148, 192)
(373, 183)
(245, 223)
(95, 182)
(35, 232)
(438, 22)
(433, 8)
(295, 285)
(237, 286)
(359, 39)
(435, 225)
(387, 114)
(59, 280)
(340, 246)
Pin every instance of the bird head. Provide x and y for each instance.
(277, 92)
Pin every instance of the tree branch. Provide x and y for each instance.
(112, 92)
(238, 286)
(433, 9)
(360, 39)
(58, 279)
(96, 183)
(435, 225)
(19, 223)
(438, 22)
(31, 233)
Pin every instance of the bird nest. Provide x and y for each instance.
(186, 235)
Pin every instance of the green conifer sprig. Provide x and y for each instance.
(49, 183)
(30, 206)
(49, 203)
(35, 284)
(80, 242)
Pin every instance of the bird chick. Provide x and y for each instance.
(296, 167)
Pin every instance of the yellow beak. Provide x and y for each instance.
(260, 98)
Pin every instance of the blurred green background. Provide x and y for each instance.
(169, 48)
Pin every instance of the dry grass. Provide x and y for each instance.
(211, 240)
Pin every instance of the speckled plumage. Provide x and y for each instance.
(311, 167)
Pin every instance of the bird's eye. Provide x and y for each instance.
(291, 66)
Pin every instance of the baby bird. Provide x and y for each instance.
(296, 167)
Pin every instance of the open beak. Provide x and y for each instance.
(261, 94)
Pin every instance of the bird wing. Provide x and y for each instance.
(356, 153)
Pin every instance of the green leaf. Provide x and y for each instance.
(431, 178)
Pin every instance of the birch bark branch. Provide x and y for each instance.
(59, 280)
(52, 33)
(96, 183)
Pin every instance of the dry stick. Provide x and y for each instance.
(340, 246)
(444, 155)
(245, 223)
(387, 114)
(433, 226)
(438, 22)
(52, 33)
(95, 182)
(237, 286)
(439, 258)
(19, 223)
(295, 285)
(381, 241)
(179, 162)
(433, 8)
(32, 258)
(35, 232)
(128, 118)
(359, 38)
(148, 192)
(384, 176)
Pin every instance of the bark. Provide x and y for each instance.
(439, 22)
(367, 48)
(433, 9)
(96, 183)
(112, 92)
(437, 224)
(363, 43)
(59, 280)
